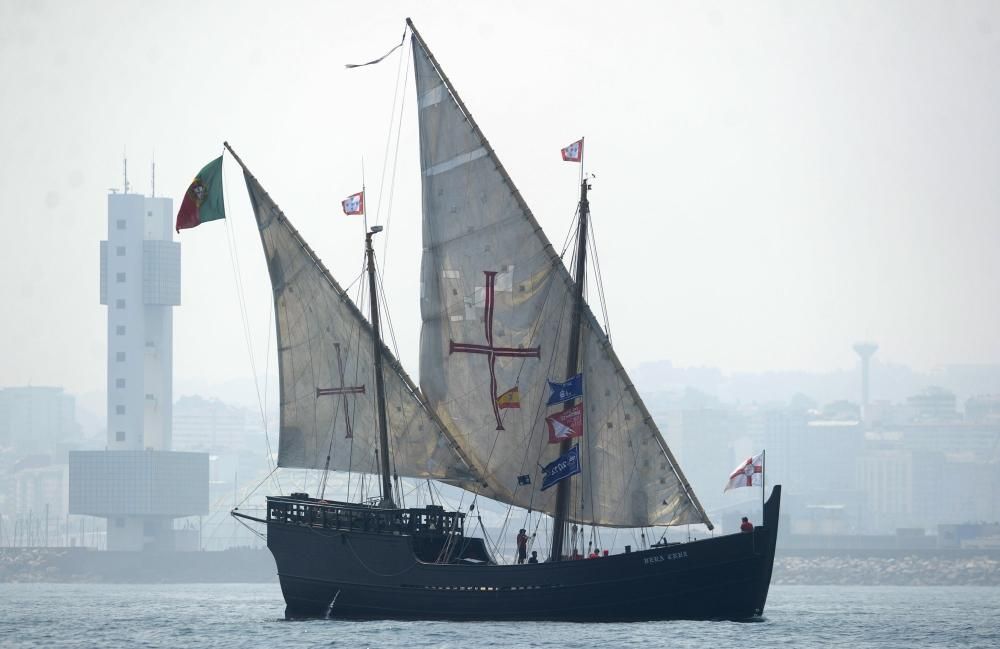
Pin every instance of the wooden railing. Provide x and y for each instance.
(428, 521)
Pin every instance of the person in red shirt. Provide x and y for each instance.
(746, 526)
(522, 545)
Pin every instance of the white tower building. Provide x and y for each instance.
(140, 283)
(138, 484)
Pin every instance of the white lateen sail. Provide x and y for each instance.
(325, 361)
(497, 305)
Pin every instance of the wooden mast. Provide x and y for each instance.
(383, 428)
(564, 488)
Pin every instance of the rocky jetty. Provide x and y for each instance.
(80, 565)
(26, 565)
(905, 570)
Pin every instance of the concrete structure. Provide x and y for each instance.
(703, 439)
(214, 427)
(39, 502)
(934, 404)
(137, 484)
(140, 493)
(140, 283)
(36, 419)
(984, 407)
(37, 427)
(865, 350)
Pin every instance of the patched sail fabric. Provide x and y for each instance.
(325, 360)
(497, 305)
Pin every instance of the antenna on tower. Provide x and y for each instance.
(124, 171)
(153, 189)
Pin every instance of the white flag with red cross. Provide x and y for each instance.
(574, 152)
(748, 474)
(354, 204)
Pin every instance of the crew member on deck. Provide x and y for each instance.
(746, 526)
(522, 545)
(534, 557)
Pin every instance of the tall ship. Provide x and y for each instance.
(521, 400)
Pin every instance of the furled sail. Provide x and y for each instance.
(496, 305)
(325, 361)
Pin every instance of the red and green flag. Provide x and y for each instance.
(203, 199)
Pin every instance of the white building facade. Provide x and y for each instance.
(140, 284)
(138, 484)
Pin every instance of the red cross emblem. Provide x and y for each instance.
(342, 390)
(747, 470)
(489, 350)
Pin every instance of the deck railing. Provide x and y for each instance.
(344, 516)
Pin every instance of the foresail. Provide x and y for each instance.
(325, 360)
(496, 305)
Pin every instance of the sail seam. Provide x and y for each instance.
(457, 161)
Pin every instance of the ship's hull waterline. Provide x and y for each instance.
(356, 574)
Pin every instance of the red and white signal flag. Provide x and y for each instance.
(354, 204)
(748, 474)
(565, 424)
(574, 152)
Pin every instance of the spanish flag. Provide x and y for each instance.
(509, 399)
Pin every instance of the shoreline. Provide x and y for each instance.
(901, 570)
(255, 565)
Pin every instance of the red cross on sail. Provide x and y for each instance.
(489, 350)
(343, 390)
(748, 474)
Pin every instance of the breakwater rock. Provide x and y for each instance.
(902, 570)
(245, 565)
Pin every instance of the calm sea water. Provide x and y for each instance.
(250, 615)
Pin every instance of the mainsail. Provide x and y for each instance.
(325, 360)
(496, 305)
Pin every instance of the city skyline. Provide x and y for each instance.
(893, 384)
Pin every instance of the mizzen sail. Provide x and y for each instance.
(325, 358)
(496, 306)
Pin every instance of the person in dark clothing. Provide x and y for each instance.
(534, 557)
(746, 526)
(522, 545)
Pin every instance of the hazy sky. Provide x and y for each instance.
(774, 180)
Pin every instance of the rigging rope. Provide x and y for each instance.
(245, 319)
(600, 279)
(395, 158)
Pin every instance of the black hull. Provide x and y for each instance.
(356, 574)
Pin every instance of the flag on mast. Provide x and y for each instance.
(203, 199)
(566, 424)
(564, 466)
(749, 473)
(559, 392)
(354, 204)
(509, 399)
(574, 152)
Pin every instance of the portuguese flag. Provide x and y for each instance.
(203, 199)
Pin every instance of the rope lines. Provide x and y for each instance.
(245, 321)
